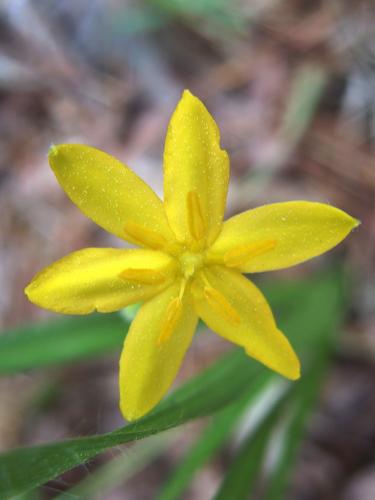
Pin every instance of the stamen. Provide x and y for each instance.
(172, 316)
(196, 221)
(143, 276)
(143, 236)
(182, 289)
(221, 306)
(240, 255)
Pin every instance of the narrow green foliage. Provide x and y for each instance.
(118, 470)
(26, 468)
(312, 313)
(211, 439)
(303, 403)
(241, 478)
(307, 88)
(244, 469)
(61, 341)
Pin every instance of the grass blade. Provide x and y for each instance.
(243, 473)
(304, 400)
(118, 470)
(61, 341)
(243, 470)
(210, 440)
(26, 468)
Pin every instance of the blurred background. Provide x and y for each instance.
(292, 87)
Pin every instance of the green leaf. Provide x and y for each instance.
(314, 310)
(118, 470)
(70, 339)
(211, 439)
(242, 475)
(307, 89)
(243, 471)
(61, 341)
(240, 480)
(305, 397)
(26, 468)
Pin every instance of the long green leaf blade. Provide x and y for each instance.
(66, 340)
(240, 480)
(118, 470)
(26, 468)
(61, 341)
(242, 474)
(210, 440)
(306, 394)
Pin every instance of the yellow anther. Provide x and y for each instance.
(221, 306)
(143, 236)
(240, 255)
(172, 316)
(143, 276)
(197, 226)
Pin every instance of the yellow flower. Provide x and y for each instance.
(191, 262)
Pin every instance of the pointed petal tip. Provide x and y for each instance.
(352, 222)
(290, 368)
(356, 223)
(32, 296)
(293, 371)
(53, 150)
(53, 155)
(128, 417)
(131, 414)
(56, 150)
(295, 375)
(31, 292)
(189, 96)
(27, 291)
(30, 289)
(187, 93)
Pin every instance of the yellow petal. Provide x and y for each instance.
(110, 194)
(149, 363)
(196, 173)
(100, 279)
(244, 317)
(280, 235)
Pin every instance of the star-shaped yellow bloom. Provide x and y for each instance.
(191, 262)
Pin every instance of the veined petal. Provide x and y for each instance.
(280, 235)
(149, 364)
(241, 314)
(196, 173)
(111, 194)
(93, 279)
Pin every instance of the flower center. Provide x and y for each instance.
(190, 262)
